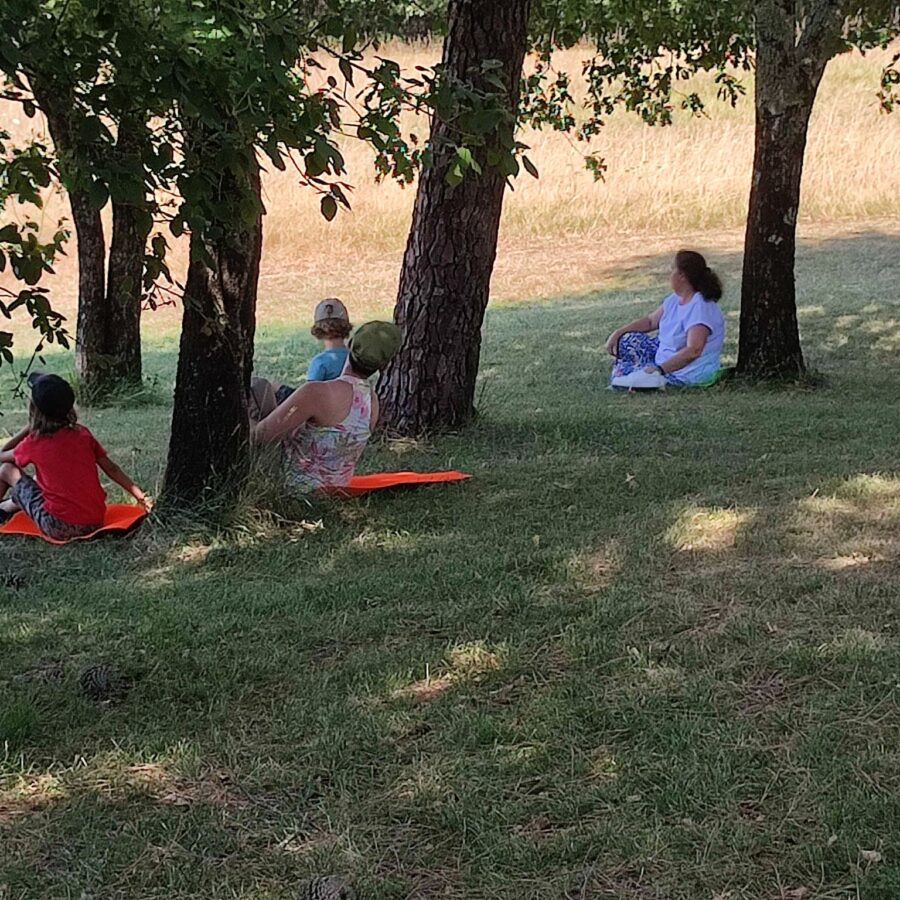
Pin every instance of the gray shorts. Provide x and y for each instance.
(27, 495)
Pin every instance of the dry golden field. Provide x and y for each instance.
(564, 233)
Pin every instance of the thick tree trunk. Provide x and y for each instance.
(446, 274)
(207, 448)
(787, 79)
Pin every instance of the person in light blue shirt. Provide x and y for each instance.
(690, 333)
(331, 326)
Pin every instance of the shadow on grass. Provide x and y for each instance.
(647, 651)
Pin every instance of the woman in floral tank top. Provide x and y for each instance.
(324, 426)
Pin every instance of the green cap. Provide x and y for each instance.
(374, 343)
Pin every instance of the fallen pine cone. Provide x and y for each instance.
(102, 683)
(330, 887)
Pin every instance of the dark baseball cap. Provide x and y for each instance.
(52, 395)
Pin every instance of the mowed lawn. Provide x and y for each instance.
(650, 651)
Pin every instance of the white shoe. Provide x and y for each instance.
(639, 380)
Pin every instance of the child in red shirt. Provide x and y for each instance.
(65, 498)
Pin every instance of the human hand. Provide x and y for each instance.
(612, 344)
(143, 499)
(653, 370)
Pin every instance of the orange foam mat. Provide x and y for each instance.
(364, 484)
(120, 517)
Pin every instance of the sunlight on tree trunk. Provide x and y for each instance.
(446, 274)
(788, 75)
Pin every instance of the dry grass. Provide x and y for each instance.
(564, 232)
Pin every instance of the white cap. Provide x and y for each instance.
(331, 308)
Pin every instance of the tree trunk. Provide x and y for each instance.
(787, 79)
(57, 107)
(446, 274)
(122, 316)
(108, 329)
(207, 448)
(90, 326)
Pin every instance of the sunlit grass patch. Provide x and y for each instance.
(708, 529)
(647, 651)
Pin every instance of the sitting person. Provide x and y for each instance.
(65, 498)
(691, 331)
(331, 326)
(323, 427)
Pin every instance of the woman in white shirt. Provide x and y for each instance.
(690, 332)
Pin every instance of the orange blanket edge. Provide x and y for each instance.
(119, 517)
(364, 484)
(123, 517)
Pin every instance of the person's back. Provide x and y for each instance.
(677, 320)
(324, 450)
(327, 364)
(323, 427)
(64, 498)
(65, 465)
(331, 326)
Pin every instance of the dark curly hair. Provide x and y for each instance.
(331, 329)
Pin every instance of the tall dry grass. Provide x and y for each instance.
(663, 183)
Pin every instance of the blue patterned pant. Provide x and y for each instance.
(635, 351)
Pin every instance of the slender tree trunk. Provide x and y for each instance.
(446, 274)
(108, 326)
(207, 449)
(122, 338)
(90, 325)
(787, 79)
(57, 106)
(122, 317)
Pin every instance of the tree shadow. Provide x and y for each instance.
(605, 657)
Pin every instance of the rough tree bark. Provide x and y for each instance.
(120, 364)
(446, 274)
(107, 330)
(91, 241)
(788, 74)
(207, 448)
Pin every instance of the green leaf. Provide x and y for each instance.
(9, 234)
(315, 164)
(346, 70)
(98, 194)
(464, 157)
(329, 207)
(530, 167)
(29, 108)
(454, 175)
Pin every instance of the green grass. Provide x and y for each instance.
(650, 651)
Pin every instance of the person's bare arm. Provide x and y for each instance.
(697, 337)
(120, 478)
(16, 439)
(646, 323)
(293, 412)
